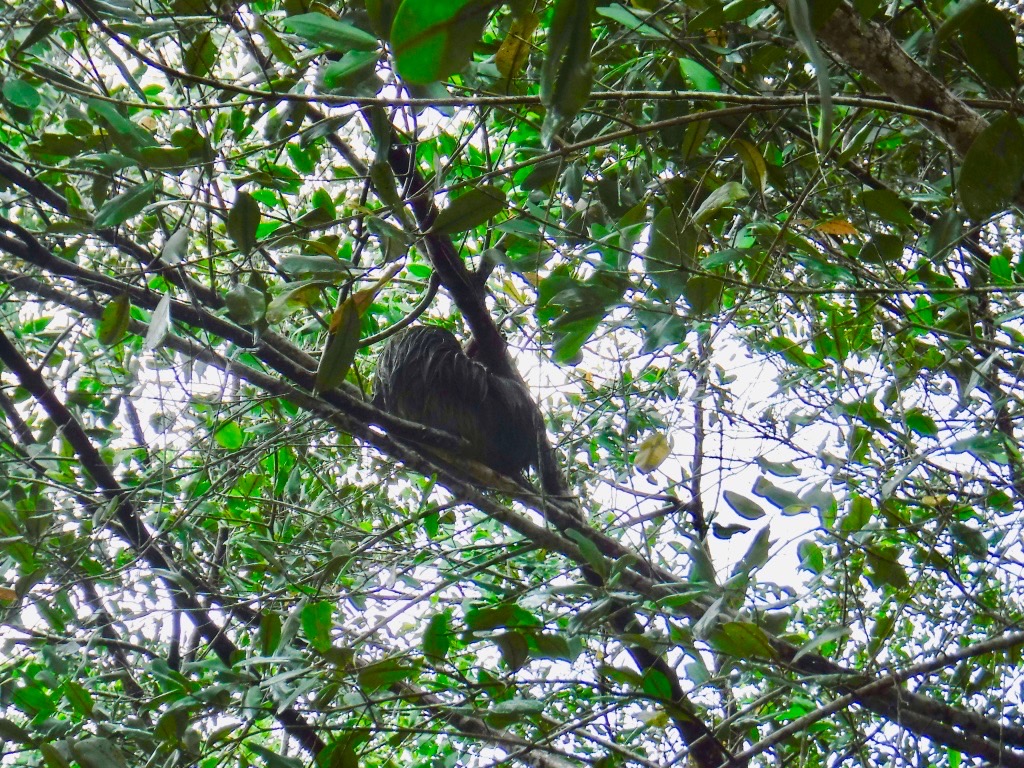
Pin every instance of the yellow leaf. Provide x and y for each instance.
(653, 451)
(837, 227)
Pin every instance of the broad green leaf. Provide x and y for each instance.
(829, 635)
(325, 31)
(272, 759)
(514, 649)
(53, 756)
(350, 70)
(862, 511)
(704, 294)
(295, 296)
(745, 507)
(243, 220)
(317, 624)
(727, 194)
(505, 615)
(246, 305)
(342, 343)
(432, 40)
(229, 436)
(437, 637)
(753, 163)
(201, 55)
(469, 210)
(701, 77)
(656, 684)
(127, 204)
(756, 555)
(971, 539)
(887, 205)
(987, 39)
(113, 322)
(884, 568)
(778, 468)
(632, 19)
(921, 423)
(741, 640)
(667, 109)
(780, 497)
(18, 93)
(992, 171)
(314, 265)
(384, 673)
(568, 72)
(97, 752)
(669, 258)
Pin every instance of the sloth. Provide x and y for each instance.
(423, 375)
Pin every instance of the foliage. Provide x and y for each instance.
(759, 263)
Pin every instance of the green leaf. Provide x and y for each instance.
(437, 637)
(632, 19)
(341, 348)
(703, 79)
(432, 40)
(350, 70)
(988, 42)
(243, 220)
(127, 204)
(741, 640)
(657, 685)
(384, 673)
(887, 205)
(53, 756)
(229, 436)
(862, 511)
(317, 623)
(20, 94)
(652, 452)
(703, 293)
(273, 759)
(829, 635)
(727, 194)
(800, 19)
(325, 31)
(884, 569)
(753, 163)
(568, 73)
(669, 258)
(113, 322)
(746, 508)
(756, 555)
(993, 168)
(779, 469)
(971, 539)
(469, 210)
(780, 497)
(246, 305)
(921, 423)
(505, 615)
(316, 265)
(97, 752)
(201, 55)
(514, 649)
(295, 296)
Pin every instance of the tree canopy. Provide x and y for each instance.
(759, 264)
